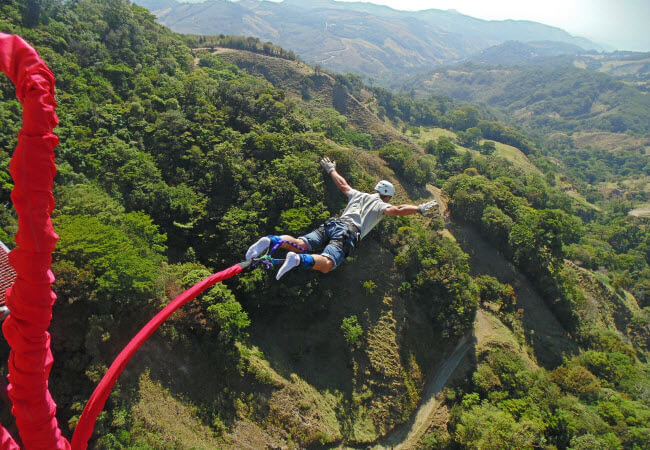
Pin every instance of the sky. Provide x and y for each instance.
(620, 24)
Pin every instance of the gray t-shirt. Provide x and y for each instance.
(364, 210)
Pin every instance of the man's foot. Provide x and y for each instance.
(258, 248)
(292, 260)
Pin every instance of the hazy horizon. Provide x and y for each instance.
(620, 25)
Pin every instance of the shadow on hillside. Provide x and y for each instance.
(306, 343)
(416, 192)
(307, 339)
(544, 334)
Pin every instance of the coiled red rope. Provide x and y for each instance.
(30, 298)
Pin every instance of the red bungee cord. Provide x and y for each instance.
(30, 298)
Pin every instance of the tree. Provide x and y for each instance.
(488, 147)
(228, 316)
(463, 118)
(123, 261)
(445, 148)
(31, 13)
(496, 225)
(501, 295)
(470, 137)
(430, 147)
(577, 380)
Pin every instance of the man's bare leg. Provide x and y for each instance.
(321, 263)
(295, 241)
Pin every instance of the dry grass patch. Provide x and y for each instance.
(309, 415)
(429, 134)
(607, 141)
(296, 410)
(604, 307)
(249, 436)
(491, 333)
(643, 211)
(163, 421)
(516, 157)
(387, 390)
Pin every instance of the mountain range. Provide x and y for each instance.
(375, 41)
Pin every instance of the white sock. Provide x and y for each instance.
(257, 248)
(292, 260)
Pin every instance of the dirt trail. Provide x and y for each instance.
(332, 54)
(411, 432)
(641, 212)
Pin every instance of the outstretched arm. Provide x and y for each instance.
(401, 210)
(408, 210)
(339, 181)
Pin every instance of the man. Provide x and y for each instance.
(337, 237)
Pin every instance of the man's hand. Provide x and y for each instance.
(424, 208)
(327, 164)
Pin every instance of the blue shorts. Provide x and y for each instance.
(331, 239)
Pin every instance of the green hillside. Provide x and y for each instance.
(557, 98)
(627, 66)
(591, 124)
(174, 159)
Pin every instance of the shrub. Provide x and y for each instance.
(352, 331)
(577, 380)
(370, 287)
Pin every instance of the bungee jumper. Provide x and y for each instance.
(337, 237)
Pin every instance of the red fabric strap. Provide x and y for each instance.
(95, 404)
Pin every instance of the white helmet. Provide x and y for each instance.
(385, 188)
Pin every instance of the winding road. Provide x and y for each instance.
(407, 435)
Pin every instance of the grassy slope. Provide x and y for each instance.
(544, 336)
(507, 152)
(164, 421)
(300, 376)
